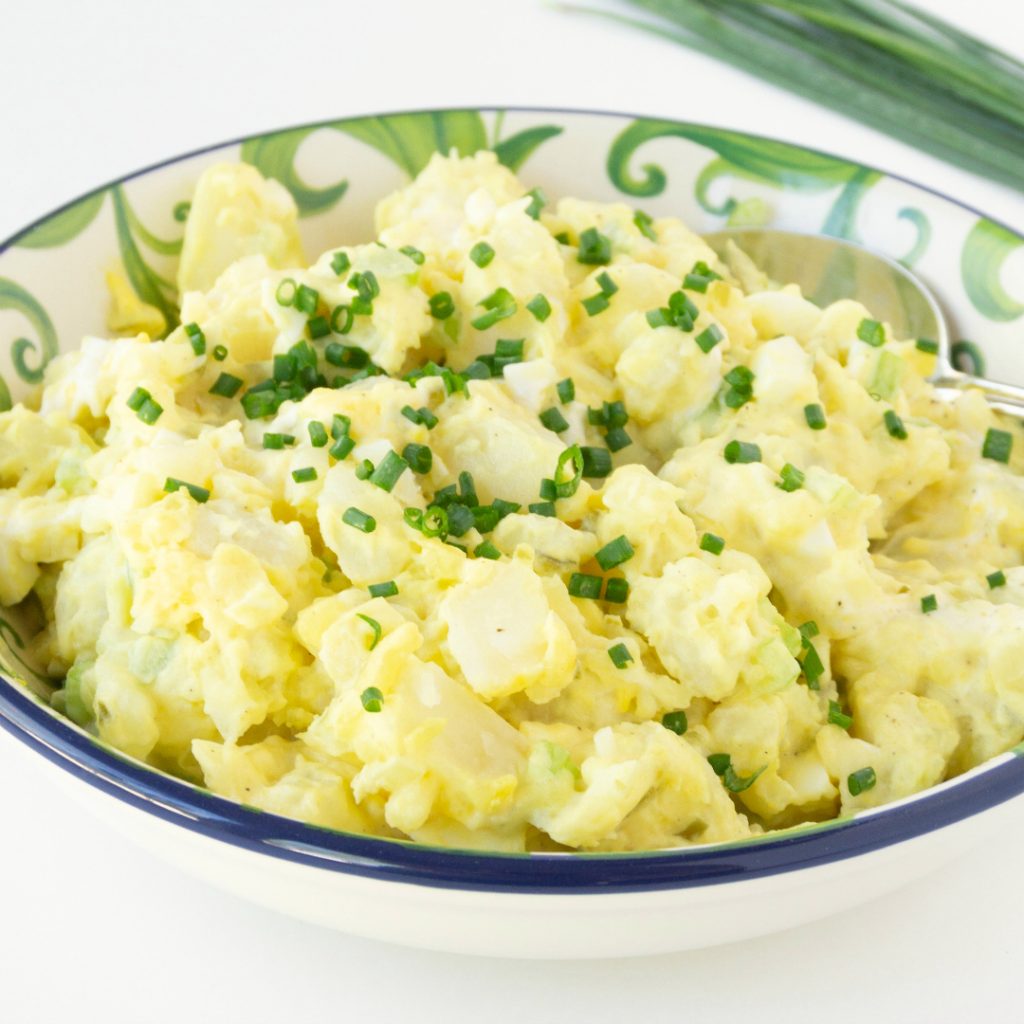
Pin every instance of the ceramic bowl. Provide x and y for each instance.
(535, 905)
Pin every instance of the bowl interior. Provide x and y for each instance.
(52, 289)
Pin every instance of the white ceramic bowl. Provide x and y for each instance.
(534, 905)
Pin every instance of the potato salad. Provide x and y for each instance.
(527, 525)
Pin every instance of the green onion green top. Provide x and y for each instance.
(359, 519)
(998, 445)
(675, 721)
(614, 553)
(742, 451)
(481, 254)
(594, 248)
(861, 781)
(619, 653)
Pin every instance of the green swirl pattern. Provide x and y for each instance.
(66, 225)
(146, 283)
(274, 157)
(13, 296)
(981, 263)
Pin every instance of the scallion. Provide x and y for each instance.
(742, 451)
(616, 590)
(585, 585)
(539, 307)
(360, 520)
(614, 553)
(620, 656)
(997, 446)
(481, 254)
(387, 589)
(712, 544)
(861, 781)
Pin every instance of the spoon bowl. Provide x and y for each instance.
(827, 269)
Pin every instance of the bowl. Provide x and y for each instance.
(52, 293)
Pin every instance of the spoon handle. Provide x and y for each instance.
(1008, 398)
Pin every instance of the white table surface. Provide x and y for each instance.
(91, 929)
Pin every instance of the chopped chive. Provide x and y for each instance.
(709, 338)
(742, 451)
(539, 307)
(700, 276)
(286, 292)
(442, 305)
(305, 475)
(499, 305)
(197, 493)
(620, 655)
(721, 765)
(597, 462)
(595, 304)
(894, 425)
(317, 434)
(137, 399)
(543, 508)
(617, 439)
(792, 479)
(712, 544)
(340, 425)
(348, 356)
(341, 319)
(419, 457)
(614, 553)
(836, 716)
(554, 420)
(675, 721)
(284, 367)
(364, 283)
(594, 248)
(389, 469)
(467, 489)
(485, 517)
(571, 458)
(861, 781)
(220, 353)
(505, 508)
(460, 520)
(929, 603)
(196, 338)
(645, 225)
(150, 412)
(278, 441)
(258, 404)
(414, 254)
(434, 522)
(658, 317)
(372, 699)
(815, 416)
(359, 519)
(606, 284)
(509, 348)
(996, 579)
(927, 345)
(386, 589)
(998, 445)
(582, 584)
(486, 550)
(563, 238)
(872, 332)
(566, 390)
(340, 263)
(481, 254)
(812, 666)
(809, 630)
(306, 299)
(616, 590)
(537, 202)
(318, 327)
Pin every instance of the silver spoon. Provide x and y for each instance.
(827, 269)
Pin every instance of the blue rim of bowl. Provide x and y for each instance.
(201, 812)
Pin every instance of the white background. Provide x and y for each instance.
(92, 929)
